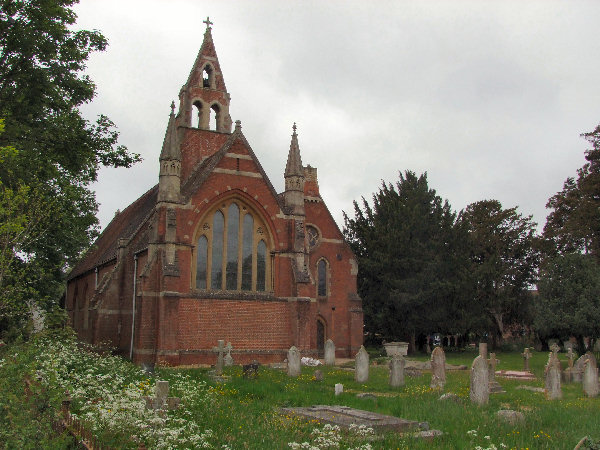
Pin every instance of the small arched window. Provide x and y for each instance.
(322, 278)
(207, 77)
(231, 250)
(215, 118)
(196, 119)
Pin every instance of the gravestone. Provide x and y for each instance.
(228, 360)
(552, 375)
(318, 375)
(438, 369)
(479, 393)
(494, 386)
(397, 364)
(329, 353)
(571, 357)
(590, 377)
(483, 349)
(293, 357)
(339, 389)
(577, 371)
(361, 367)
(220, 350)
(161, 399)
(555, 348)
(526, 356)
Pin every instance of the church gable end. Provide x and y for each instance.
(214, 252)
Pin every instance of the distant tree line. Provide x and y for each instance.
(424, 268)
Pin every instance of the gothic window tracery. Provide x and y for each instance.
(231, 250)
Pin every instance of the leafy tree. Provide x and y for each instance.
(569, 302)
(504, 261)
(409, 260)
(50, 153)
(574, 223)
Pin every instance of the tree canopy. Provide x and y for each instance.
(568, 303)
(573, 225)
(410, 266)
(504, 261)
(50, 153)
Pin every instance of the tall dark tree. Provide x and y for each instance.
(574, 223)
(569, 298)
(50, 154)
(504, 262)
(409, 260)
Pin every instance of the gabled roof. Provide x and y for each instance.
(206, 167)
(124, 225)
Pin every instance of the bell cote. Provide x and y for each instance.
(203, 99)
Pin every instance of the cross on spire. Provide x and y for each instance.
(207, 22)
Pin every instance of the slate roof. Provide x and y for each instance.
(124, 225)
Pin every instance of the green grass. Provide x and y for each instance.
(243, 413)
(246, 415)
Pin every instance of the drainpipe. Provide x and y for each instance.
(96, 281)
(135, 262)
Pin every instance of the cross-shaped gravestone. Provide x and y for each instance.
(555, 348)
(220, 349)
(526, 355)
(492, 365)
(161, 400)
(207, 22)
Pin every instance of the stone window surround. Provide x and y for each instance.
(260, 232)
(323, 260)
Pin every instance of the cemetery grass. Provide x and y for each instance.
(242, 413)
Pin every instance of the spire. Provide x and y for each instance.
(294, 161)
(170, 149)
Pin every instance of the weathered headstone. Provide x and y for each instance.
(479, 392)
(161, 399)
(318, 375)
(329, 353)
(511, 417)
(293, 357)
(552, 375)
(483, 349)
(526, 356)
(494, 386)
(438, 369)
(220, 350)
(555, 348)
(361, 368)
(590, 377)
(397, 364)
(577, 371)
(571, 357)
(228, 359)
(339, 389)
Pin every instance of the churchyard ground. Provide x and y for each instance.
(107, 392)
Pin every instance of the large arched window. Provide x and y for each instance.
(322, 278)
(232, 250)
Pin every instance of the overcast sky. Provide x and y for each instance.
(488, 97)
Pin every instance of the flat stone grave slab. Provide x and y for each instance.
(515, 375)
(344, 416)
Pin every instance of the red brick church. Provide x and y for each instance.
(214, 252)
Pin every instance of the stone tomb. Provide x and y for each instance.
(345, 416)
